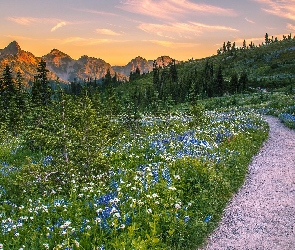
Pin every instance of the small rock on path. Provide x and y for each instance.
(261, 215)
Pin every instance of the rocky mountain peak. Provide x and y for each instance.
(163, 61)
(68, 69)
(58, 53)
(139, 58)
(12, 49)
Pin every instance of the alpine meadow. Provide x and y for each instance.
(142, 156)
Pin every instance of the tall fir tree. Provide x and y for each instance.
(219, 82)
(266, 39)
(234, 83)
(243, 81)
(244, 44)
(7, 88)
(41, 89)
(107, 80)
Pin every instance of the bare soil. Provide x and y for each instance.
(262, 214)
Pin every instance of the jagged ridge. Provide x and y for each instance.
(67, 69)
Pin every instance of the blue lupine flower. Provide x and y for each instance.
(47, 160)
(208, 218)
(105, 199)
(128, 220)
(186, 219)
(114, 184)
(166, 176)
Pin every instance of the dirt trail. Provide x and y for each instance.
(261, 215)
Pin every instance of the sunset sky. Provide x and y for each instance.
(119, 30)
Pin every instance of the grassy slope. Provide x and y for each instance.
(266, 66)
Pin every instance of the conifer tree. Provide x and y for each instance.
(224, 48)
(228, 46)
(36, 92)
(173, 72)
(233, 47)
(7, 87)
(20, 98)
(244, 44)
(234, 83)
(266, 39)
(41, 90)
(243, 81)
(107, 80)
(219, 82)
(156, 76)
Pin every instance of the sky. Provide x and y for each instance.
(119, 30)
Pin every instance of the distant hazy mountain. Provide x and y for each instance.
(62, 66)
(143, 64)
(69, 69)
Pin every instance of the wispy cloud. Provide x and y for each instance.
(249, 20)
(107, 32)
(33, 20)
(98, 12)
(59, 25)
(291, 27)
(183, 30)
(281, 8)
(73, 40)
(82, 41)
(205, 27)
(168, 9)
(20, 38)
(174, 45)
(24, 20)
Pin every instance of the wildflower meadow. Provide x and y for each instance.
(165, 186)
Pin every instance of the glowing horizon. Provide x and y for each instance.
(119, 30)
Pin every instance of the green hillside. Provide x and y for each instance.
(242, 70)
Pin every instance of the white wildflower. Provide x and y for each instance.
(177, 206)
(117, 215)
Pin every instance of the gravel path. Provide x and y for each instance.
(262, 214)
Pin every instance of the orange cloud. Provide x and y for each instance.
(173, 45)
(168, 9)
(282, 8)
(59, 25)
(82, 41)
(183, 30)
(24, 20)
(107, 32)
(31, 20)
(205, 27)
(291, 27)
(73, 39)
(20, 38)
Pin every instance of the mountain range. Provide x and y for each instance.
(67, 69)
